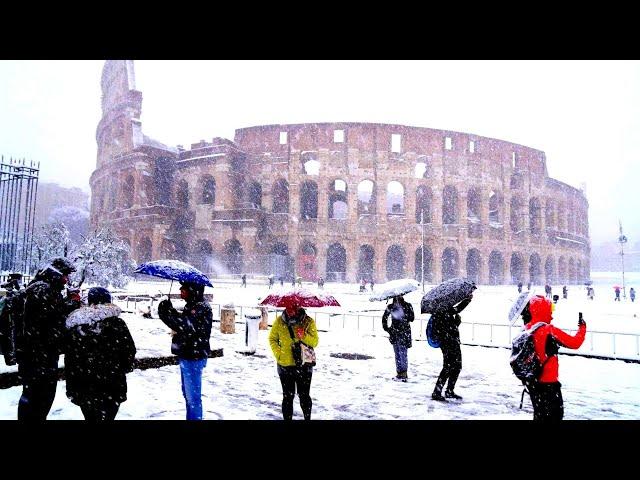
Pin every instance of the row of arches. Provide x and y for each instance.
(520, 267)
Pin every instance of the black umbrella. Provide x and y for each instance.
(446, 295)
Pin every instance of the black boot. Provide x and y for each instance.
(451, 394)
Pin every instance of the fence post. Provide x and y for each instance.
(613, 338)
(491, 333)
(473, 332)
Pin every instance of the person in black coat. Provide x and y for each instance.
(100, 352)
(401, 313)
(446, 325)
(45, 312)
(190, 342)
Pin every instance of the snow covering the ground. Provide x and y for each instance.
(237, 386)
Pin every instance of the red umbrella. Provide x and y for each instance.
(300, 297)
(616, 286)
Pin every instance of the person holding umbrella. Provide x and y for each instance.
(401, 313)
(190, 342)
(293, 325)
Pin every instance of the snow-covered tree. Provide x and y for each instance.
(51, 241)
(102, 258)
(75, 219)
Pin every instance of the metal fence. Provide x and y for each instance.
(598, 343)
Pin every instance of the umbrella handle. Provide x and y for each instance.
(170, 287)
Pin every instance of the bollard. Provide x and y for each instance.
(252, 319)
(228, 319)
(264, 322)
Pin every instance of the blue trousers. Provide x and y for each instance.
(402, 362)
(191, 373)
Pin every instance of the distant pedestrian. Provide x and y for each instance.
(591, 293)
(362, 285)
(519, 287)
(281, 281)
(371, 285)
(321, 283)
(565, 291)
(299, 281)
(529, 286)
(617, 290)
(401, 313)
(270, 281)
(632, 294)
(244, 280)
(548, 291)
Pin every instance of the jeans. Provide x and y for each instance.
(451, 365)
(547, 402)
(39, 384)
(402, 362)
(191, 373)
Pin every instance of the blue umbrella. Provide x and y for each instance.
(174, 270)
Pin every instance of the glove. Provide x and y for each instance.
(581, 320)
(164, 306)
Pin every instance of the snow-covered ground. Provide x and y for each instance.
(237, 386)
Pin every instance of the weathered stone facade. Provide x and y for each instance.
(343, 201)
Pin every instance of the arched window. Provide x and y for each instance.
(233, 256)
(423, 204)
(427, 263)
(338, 200)
(535, 219)
(496, 268)
(208, 190)
(549, 271)
(254, 195)
(494, 208)
(280, 193)
(365, 262)
(336, 263)
(395, 262)
(366, 198)
(309, 200)
(474, 265)
(310, 163)
(128, 189)
(449, 263)
(516, 219)
(535, 270)
(517, 268)
(395, 197)
(449, 205)
(182, 194)
(550, 215)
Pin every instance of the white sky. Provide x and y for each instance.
(239, 387)
(583, 114)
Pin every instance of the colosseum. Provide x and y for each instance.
(344, 201)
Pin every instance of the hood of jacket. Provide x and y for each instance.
(92, 314)
(540, 310)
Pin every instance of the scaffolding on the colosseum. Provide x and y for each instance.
(18, 193)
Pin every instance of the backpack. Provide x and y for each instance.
(12, 325)
(524, 361)
(431, 337)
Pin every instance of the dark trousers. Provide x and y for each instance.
(38, 391)
(100, 410)
(546, 399)
(292, 378)
(451, 366)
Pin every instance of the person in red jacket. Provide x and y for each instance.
(546, 395)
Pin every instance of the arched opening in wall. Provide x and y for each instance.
(307, 262)
(549, 271)
(254, 195)
(336, 263)
(495, 214)
(496, 268)
(572, 271)
(562, 270)
(420, 170)
(338, 200)
(202, 255)
(309, 200)
(395, 262)
(449, 263)
(144, 250)
(423, 204)
(579, 277)
(571, 219)
(474, 228)
(149, 189)
(535, 269)
(365, 262)
(310, 163)
(163, 179)
(395, 198)
(516, 220)
(281, 263)
(549, 215)
(280, 194)
(474, 264)
(428, 265)
(534, 216)
(366, 198)
(517, 268)
(128, 189)
(449, 205)
(168, 249)
(182, 194)
(208, 190)
(561, 217)
(233, 256)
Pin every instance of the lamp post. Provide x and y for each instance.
(622, 239)
(422, 247)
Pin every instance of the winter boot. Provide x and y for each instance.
(451, 394)
(401, 377)
(437, 394)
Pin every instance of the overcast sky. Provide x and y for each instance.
(584, 114)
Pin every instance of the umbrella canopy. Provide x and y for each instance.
(447, 294)
(616, 286)
(174, 270)
(394, 288)
(301, 297)
(518, 306)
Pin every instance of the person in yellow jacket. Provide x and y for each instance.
(294, 320)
